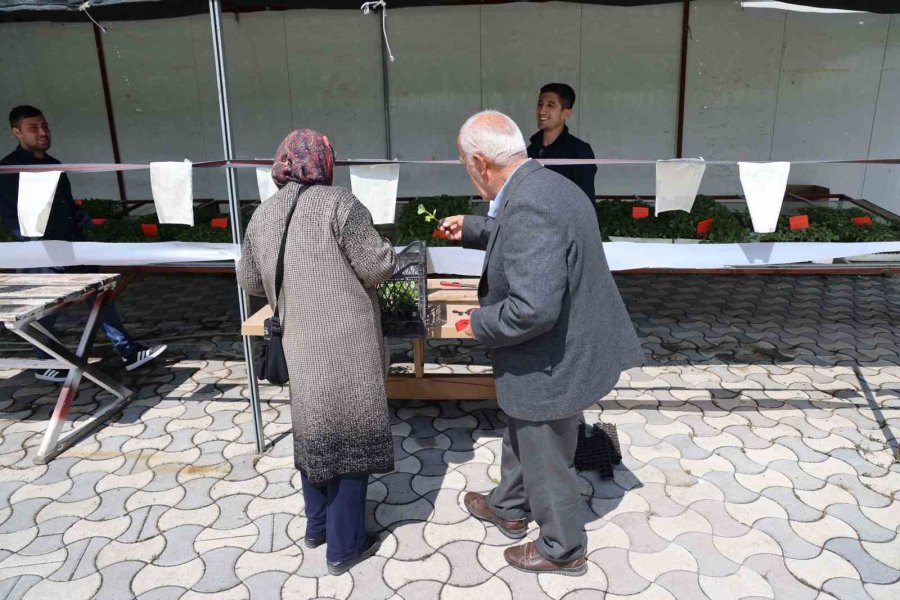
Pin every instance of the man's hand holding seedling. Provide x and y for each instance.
(451, 227)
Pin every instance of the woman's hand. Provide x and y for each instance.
(451, 227)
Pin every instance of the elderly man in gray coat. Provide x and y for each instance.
(559, 332)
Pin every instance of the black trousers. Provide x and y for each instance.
(537, 476)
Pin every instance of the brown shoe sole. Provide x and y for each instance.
(513, 535)
(567, 571)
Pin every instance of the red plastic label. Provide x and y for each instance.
(640, 212)
(704, 227)
(799, 222)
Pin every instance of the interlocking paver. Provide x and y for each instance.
(749, 446)
(792, 545)
(867, 529)
(219, 570)
(684, 585)
(783, 583)
(465, 570)
(870, 569)
(710, 562)
(816, 571)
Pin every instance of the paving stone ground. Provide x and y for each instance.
(759, 449)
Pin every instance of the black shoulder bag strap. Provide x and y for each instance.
(279, 270)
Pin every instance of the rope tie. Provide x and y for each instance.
(84, 8)
(367, 7)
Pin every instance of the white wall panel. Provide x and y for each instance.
(334, 66)
(628, 96)
(54, 67)
(734, 66)
(882, 184)
(435, 85)
(826, 101)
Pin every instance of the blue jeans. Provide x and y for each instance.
(110, 321)
(337, 512)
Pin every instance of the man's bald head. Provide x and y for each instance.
(494, 136)
(492, 147)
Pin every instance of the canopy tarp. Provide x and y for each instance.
(68, 10)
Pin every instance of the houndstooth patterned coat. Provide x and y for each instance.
(334, 259)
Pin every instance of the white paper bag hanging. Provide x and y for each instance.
(764, 185)
(265, 184)
(677, 183)
(36, 193)
(376, 188)
(173, 192)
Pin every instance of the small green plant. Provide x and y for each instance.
(411, 226)
(429, 216)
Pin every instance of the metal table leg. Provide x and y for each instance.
(53, 443)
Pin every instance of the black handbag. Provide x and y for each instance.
(270, 362)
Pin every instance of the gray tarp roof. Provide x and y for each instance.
(67, 10)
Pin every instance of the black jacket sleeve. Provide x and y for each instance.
(586, 173)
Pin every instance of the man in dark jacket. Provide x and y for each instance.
(32, 131)
(558, 330)
(553, 140)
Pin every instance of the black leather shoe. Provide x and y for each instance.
(313, 542)
(339, 568)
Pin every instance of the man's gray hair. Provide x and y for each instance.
(493, 135)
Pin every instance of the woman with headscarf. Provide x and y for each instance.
(334, 259)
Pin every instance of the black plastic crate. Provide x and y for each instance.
(403, 297)
(598, 451)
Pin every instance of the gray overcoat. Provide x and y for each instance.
(334, 259)
(550, 308)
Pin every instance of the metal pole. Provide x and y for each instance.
(682, 76)
(386, 91)
(107, 100)
(215, 14)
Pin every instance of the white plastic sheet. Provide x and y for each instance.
(36, 193)
(764, 185)
(265, 184)
(376, 188)
(449, 260)
(173, 192)
(677, 183)
(26, 255)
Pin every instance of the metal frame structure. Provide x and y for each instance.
(215, 15)
(215, 11)
(29, 329)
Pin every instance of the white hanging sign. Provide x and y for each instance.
(36, 193)
(173, 193)
(764, 186)
(376, 188)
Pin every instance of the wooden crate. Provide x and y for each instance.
(448, 304)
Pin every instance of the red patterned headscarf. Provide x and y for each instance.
(305, 156)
